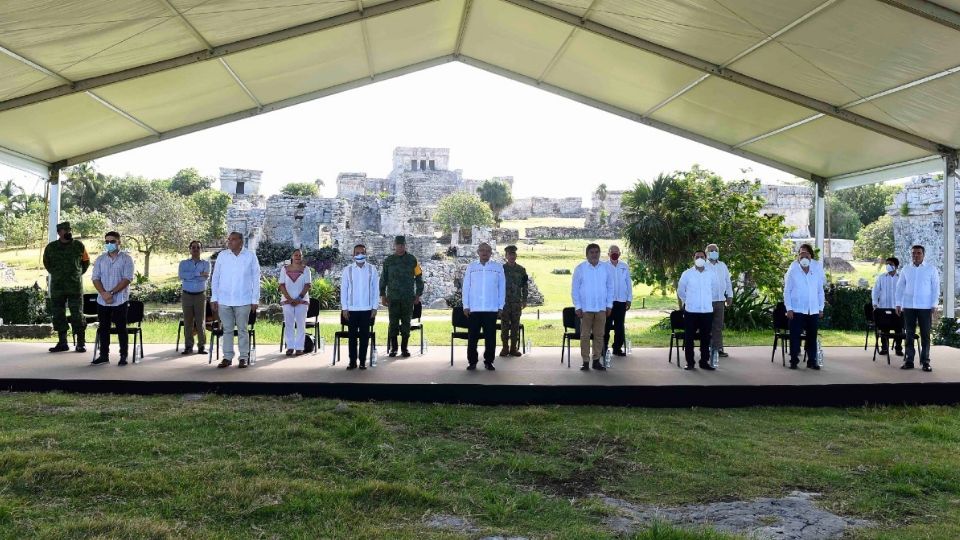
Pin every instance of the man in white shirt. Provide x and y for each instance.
(722, 296)
(918, 293)
(622, 299)
(884, 296)
(484, 293)
(696, 292)
(804, 299)
(234, 292)
(359, 286)
(592, 293)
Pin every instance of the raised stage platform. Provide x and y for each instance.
(644, 378)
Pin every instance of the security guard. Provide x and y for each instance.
(66, 259)
(401, 285)
(517, 292)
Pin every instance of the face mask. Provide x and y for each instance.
(699, 263)
(360, 257)
(714, 255)
(890, 268)
(614, 256)
(68, 236)
(110, 247)
(804, 262)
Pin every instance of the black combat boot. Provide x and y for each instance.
(392, 346)
(61, 344)
(403, 346)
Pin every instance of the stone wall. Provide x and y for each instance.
(918, 219)
(561, 233)
(791, 202)
(609, 209)
(231, 178)
(837, 248)
(532, 207)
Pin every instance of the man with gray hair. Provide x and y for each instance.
(484, 293)
(622, 298)
(722, 297)
(234, 293)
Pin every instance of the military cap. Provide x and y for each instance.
(63, 226)
(400, 240)
(510, 249)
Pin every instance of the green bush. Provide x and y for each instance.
(151, 293)
(875, 241)
(844, 309)
(749, 310)
(270, 290)
(271, 254)
(22, 305)
(328, 295)
(948, 333)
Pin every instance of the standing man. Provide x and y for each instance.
(804, 300)
(592, 293)
(516, 301)
(234, 292)
(358, 300)
(722, 296)
(622, 298)
(484, 293)
(918, 292)
(696, 291)
(112, 274)
(193, 274)
(884, 296)
(401, 285)
(66, 260)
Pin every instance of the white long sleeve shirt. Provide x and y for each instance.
(484, 287)
(723, 288)
(885, 291)
(592, 288)
(359, 287)
(803, 291)
(622, 284)
(918, 287)
(236, 279)
(696, 290)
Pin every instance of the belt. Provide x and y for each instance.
(193, 293)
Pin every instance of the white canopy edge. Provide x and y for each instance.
(24, 162)
(895, 171)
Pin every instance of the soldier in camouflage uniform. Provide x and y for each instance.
(66, 259)
(401, 285)
(517, 291)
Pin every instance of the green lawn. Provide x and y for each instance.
(104, 466)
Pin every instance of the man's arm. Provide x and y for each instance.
(344, 288)
(787, 291)
(182, 271)
(84, 259)
(575, 289)
(901, 289)
(609, 281)
(628, 285)
(255, 278)
(524, 286)
(383, 278)
(875, 293)
(46, 258)
(215, 285)
(501, 289)
(374, 285)
(465, 290)
(935, 278)
(729, 282)
(682, 288)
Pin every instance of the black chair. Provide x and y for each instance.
(344, 333)
(89, 308)
(677, 335)
(571, 331)
(871, 325)
(134, 317)
(459, 320)
(889, 325)
(781, 331)
(216, 330)
(313, 312)
(417, 326)
(180, 323)
(523, 335)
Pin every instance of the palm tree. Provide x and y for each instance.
(601, 193)
(651, 231)
(9, 195)
(83, 185)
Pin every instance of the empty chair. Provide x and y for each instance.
(676, 335)
(781, 331)
(571, 331)
(460, 327)
(416, 323)
(887, 325)
(871, 326)
(344, 333)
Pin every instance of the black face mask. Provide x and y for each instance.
(68, 236)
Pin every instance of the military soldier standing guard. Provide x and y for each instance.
(517, 291)
(401, 285)
(66, 260)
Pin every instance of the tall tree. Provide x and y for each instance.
(842, 219)
(497, 195)
(9, 193)
(86, 189)
(211, 207)
(300, 189)
(188, 181)
(875, 241)
(462, 210)
(601, 193)
(164, 223)
(869, 202)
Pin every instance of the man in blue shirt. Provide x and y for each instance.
(193, 274)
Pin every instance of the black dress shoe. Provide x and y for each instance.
(489, 366)
(690, 367)
(123, 361)
(722, 354)
(706, 366)
(60, 347)
(597, 365)
(794, 365)
(884, 352)
(585, 367)
(243, 363)
(201, 351)
(351, 366)
(81, 348)
(405, 353)
(187, 351)
(224, 363)
(814, 366)
(362, 366)
(391, 354)
(471, 367)
(100, 360)
(926, 367)
(619, 353)
(899, 353)
(907, 365)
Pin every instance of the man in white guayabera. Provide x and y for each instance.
(235, 292)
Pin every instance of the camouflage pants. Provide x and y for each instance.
(58, 312)
(510, 325)
(399, 311)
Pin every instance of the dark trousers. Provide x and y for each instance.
(482, 322)
(615, 323)
(117, 315)
(911, 317)
(358, 327)
(58, 311)
(802, 322)
(694, 323)
(897, 342)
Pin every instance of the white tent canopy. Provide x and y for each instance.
(840, 92)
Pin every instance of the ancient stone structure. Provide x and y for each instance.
(562, 233)
(7, 274)
(918, 219)
(532, 207)
(240, 181)
(791, 202)
(606, 214)
(837, 248)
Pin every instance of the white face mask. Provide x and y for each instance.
(699, 263)
(360, 257)
(714, 255)
(890, 268)
(804, 262)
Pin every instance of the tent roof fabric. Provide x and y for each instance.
(834, 90)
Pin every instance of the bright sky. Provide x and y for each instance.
(493, 126)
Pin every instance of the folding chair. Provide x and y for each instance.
(571, 331)
(134, 317)
(181, 325)
(89, 316)
(676, 335)
(459, 320)
(418, 325)
(781, 332)
(344, 333)
(871, 325)
(216, 330)
(313, 312)
(889, 325)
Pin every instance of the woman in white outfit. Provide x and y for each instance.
(295, 282)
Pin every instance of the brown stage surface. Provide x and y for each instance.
(644, 378)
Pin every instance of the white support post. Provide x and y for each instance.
(54, 211)
(949, 234)
(820, 218)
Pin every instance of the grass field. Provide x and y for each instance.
(80, 466)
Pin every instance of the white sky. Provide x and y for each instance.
(493, 126)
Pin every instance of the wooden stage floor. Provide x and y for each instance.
(644, 378)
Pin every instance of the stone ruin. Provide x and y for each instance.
(791, 202)
(372, 211)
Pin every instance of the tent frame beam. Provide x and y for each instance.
(216, 52)
(928, 10)
(732, 76)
